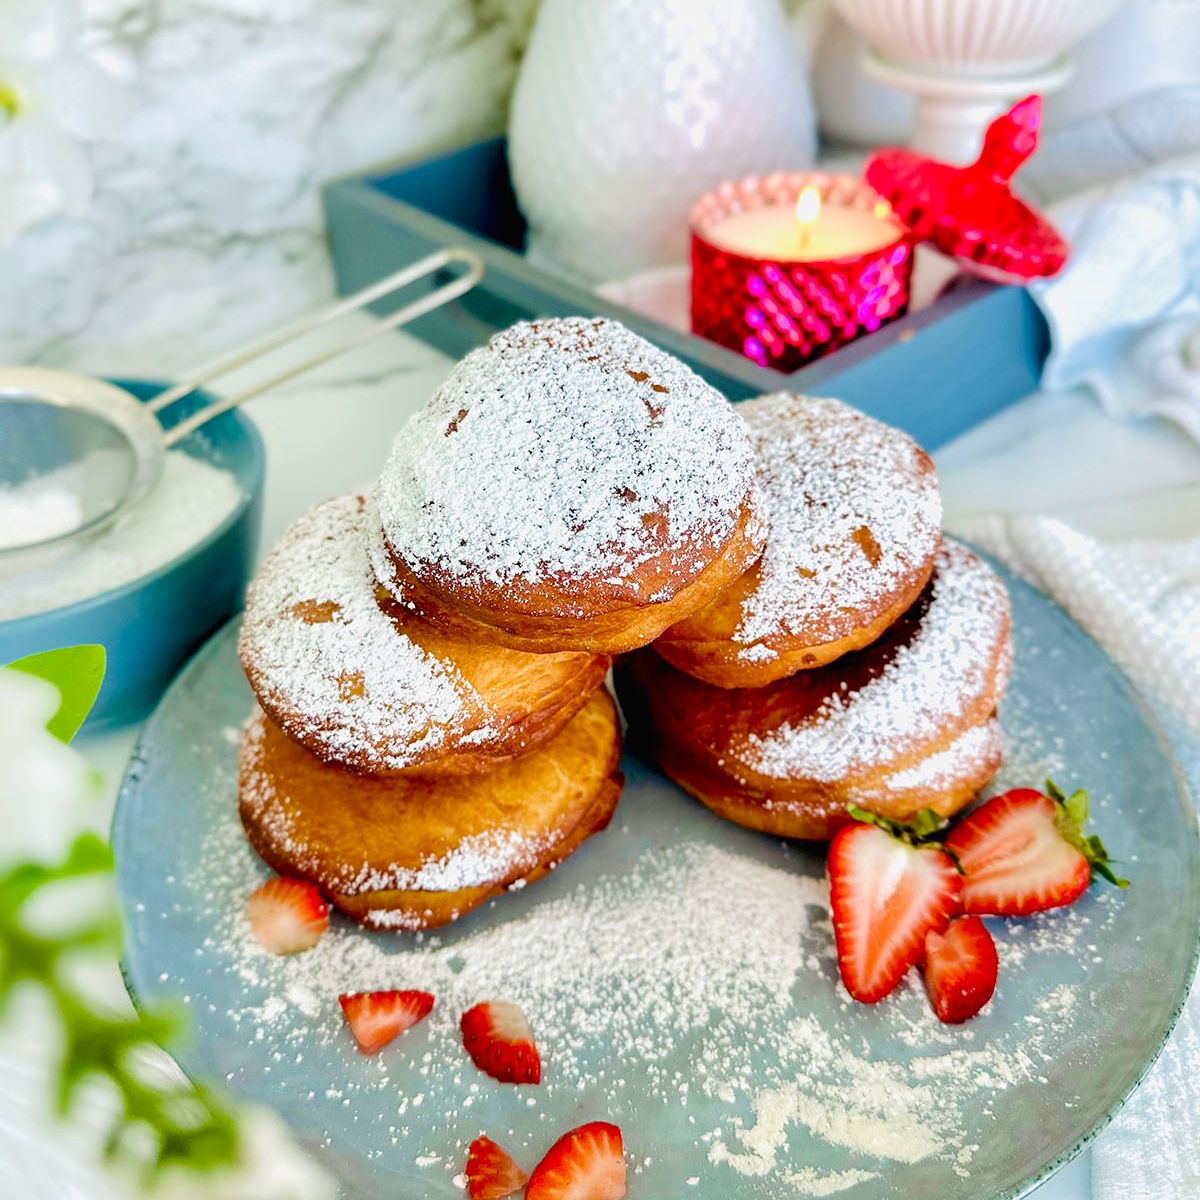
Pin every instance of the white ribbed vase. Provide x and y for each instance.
(975, 37)
(626, 111)
(968, 60)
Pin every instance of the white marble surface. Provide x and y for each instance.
(1050, 454)
(205, 224)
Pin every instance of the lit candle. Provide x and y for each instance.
(791, 266)
(807, 231)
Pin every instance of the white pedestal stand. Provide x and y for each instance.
(953, 111)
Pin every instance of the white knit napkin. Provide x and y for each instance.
(1124, 314)
(1116, 143)
(1141, 601)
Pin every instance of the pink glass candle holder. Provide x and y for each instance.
(783, 292)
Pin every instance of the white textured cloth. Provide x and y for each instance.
(1124, 315)
(1141, 601)
(1116, 143)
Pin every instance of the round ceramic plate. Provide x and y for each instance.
(679, 976)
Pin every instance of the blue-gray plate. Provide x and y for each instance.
(679, 977)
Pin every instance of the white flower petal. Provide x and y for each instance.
(272, 1167)
(45, 787)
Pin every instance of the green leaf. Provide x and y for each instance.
(1099, 861)
(77, 672)
(89, 854)
(1070, 818)
(154, 1126)
(923, 829)
(1077, 807)
(1055, 792)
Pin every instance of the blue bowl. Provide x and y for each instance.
(151, 625)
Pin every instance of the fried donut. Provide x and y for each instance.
(358, 679)
(904, 724)
(402, 852)
(853, 517)
(569, 486)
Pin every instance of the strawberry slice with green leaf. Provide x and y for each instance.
(890, 885)
(1024, 852)
(960, 969)
(491, 1172)
(586, 1164)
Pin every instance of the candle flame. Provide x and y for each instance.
(808, 205)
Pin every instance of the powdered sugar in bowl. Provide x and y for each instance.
(153, 586)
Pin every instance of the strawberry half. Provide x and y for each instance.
(960, 969)
(377, 1018)
(498, 1039)
(889, 886)
(1024, 852)
(491, 1172)
(287, 915)
(586, 1164)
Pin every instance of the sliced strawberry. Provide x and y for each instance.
(586, 1164)
(377, 1018)
(287, 915)
(491, 1172)
(1023, 852)
(500, 1042)
(889, 886)
(960, 969)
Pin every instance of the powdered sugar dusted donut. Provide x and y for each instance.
(382, 691)
(893, 727)
(853, 516)
(405, 852)
(945, 778)
(569, 485)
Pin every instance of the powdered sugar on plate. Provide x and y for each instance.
(694, 946)
(587, 451)
(337, 672)
(679, 976)
(810, 1182)
(610, 964)
(853, 513)
(926, 683)
(627, 927)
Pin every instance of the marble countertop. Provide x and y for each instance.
(1056, 454)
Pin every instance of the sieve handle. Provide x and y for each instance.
(458, 286)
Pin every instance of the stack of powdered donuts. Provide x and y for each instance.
(858, 662)
(429, 659)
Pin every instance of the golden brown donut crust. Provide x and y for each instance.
(569, 486)
(414, 852)
(853, 515)
(361, 681)
(702, 644)
(543, 621)
(787, 758)
(816, 812)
